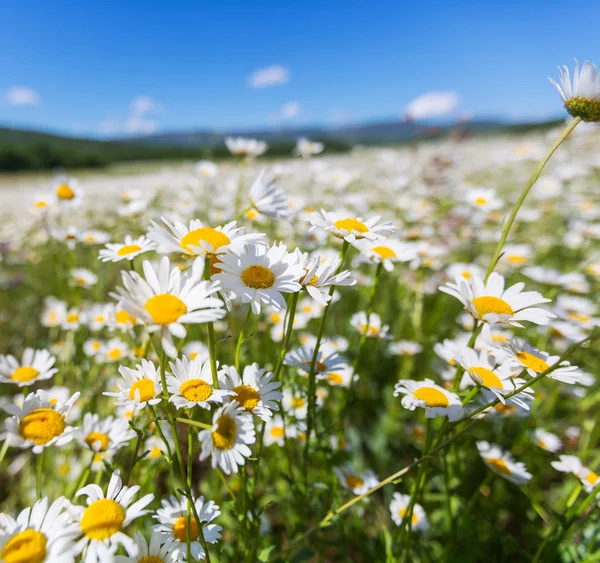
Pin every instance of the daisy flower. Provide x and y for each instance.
(207, 169)
(490, 302)
(502, 463)
(255, 391)
(341, 377)
(349, 228)
(260, 275)
(358, 483)
(276, 431)
(405, 348)
(106, 516)
(167, 300)
(194, 349)
(40, 534)
(372, 329)
(241, 146)
(572, 464)
(483, 198)
(67, 190)
(427, 395)
(199, 239)
(105, 436)
(306, 148)
(582, 96)
(142, 386)
(328, 360)
(399, 507)
(84, 278)
(546, 440)
(39, 423)
(35, 365)
(294, 404)
(91, 237)
(55, 312)
(191, 384)
(128, 250)
(172, 518)
(267, 198)
(228, 439)
(387, 252)
(161, 549)
(320, 275)
(98, 316)
(115, 350)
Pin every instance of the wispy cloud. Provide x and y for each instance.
(269, 76)
(140, 121)
(432, 104)
(290, 110)
(22, 96)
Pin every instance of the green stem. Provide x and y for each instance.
(3, 450)
(39, 466)
(210, 333)
(288, 335)
(240, 340)
(194, 423)
(83, 477)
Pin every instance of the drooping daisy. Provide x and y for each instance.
(104, 436)
(40, 534)
(128, 250)
(39, 423)
(491, 303)
(387, 252)
(399, 507)
(35, 365)
(167, 300)
(427, 395)
(255, 391)
(328, 360)
(161, 549)
(502, 463)
(142, 386)
(199, 239)
(572, 464)
(172, 518)
(546, 440)
(582, 97)
(102, 522)
(268, 198)
(373, 328)
(350, 228)
(191, 384)
(358, 483)
(83, 277)
(260, 275)
(228, 439)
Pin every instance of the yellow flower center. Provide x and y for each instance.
(335, 379)
(489, 304)
(40, 204)
(180, 529)
(505, 409)
(351, 224)
(42, 425)
(144, 388)
(246, 396)
(541, 443)
(480, 201)
(487, 377)
(115, 354)
(165, 308)
(466, 274)
(402, 513)
(214, 239)
(28, 546)
(574, 315)
(352, 481)
(298, 402)
(151, 559)
(102, 519)
(433, 397)
(24, 373)
(384, 252)
(532, 362)
(123, 317)
(591, 478)
(196, 390)
(73, 317)
(93, 439)
(224, 436)
(80, 281)
(64, 191)
(258, 277)
(277, 432)
(499, 465)
(128, 249)
(517, 259)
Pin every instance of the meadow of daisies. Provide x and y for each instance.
(385, 356)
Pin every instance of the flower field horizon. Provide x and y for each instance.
(387, 355)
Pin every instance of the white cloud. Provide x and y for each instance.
(432, 104)
(139, 125)
(144, 104)
(290, 110)
(22, 96)
(269, 76)
(138, 122)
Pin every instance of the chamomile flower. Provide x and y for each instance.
(349, 228)
(128, 250)
(172, 518)
(582, 96)
(255, 390)
(502, 463)
(228, 440)
(190, 383)
(373, 328)
(142, 386)
(491, 303)
(358, 483)
(35, 365)
(199, 239)
(427, 395)
(104, 436)
(268, 198)
(167, 300)
(399, 508)
(39, 423)
(41, 534)
(387, 252)
(259, 275)
(546, 440)
(102, 522)
(161, 549)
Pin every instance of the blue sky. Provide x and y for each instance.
(115, 67)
